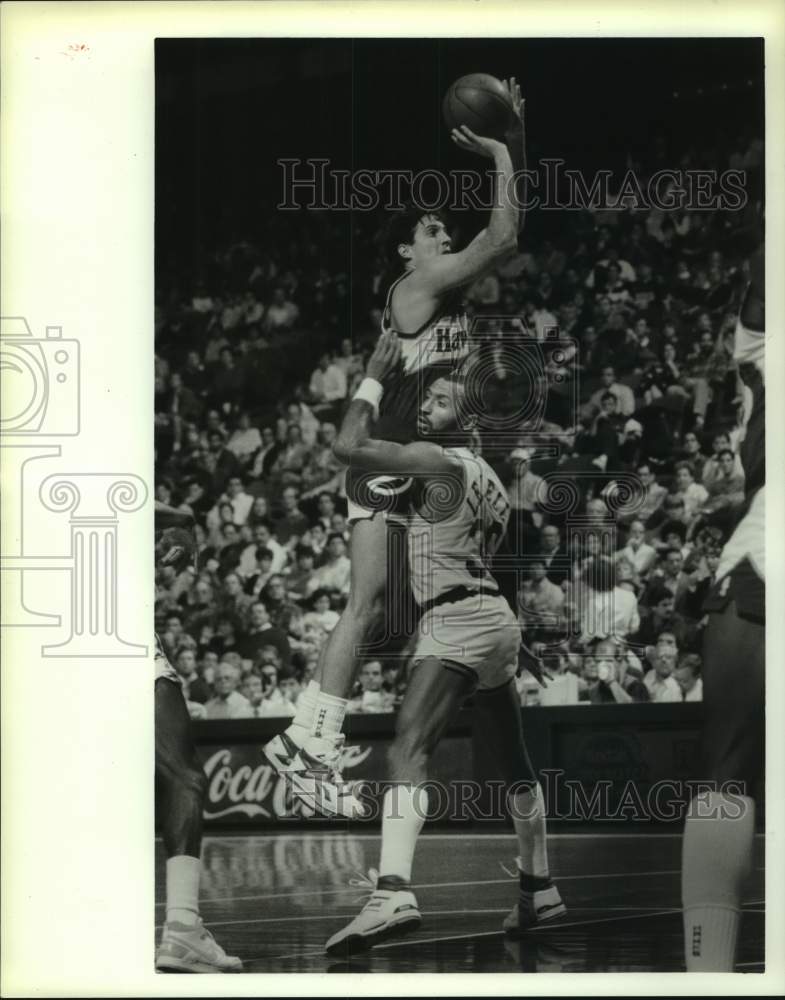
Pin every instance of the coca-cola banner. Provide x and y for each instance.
(243, 788)
(618, 763)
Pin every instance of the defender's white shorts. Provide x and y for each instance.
(478, 636)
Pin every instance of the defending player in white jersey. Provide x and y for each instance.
(720, 829)
(468, 641)
(186, 944)
(423, 308)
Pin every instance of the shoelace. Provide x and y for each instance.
(367, 882)
(332, 758)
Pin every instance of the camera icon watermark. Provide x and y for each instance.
(40, 381)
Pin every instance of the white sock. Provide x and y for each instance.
(528, 817)
(304, 716)
(403, 814)
(716, 860)
(182, 889)
(328, 715)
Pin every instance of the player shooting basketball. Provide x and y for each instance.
(423, 309)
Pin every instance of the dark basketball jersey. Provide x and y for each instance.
(439, 345)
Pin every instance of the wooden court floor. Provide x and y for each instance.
(275, 898)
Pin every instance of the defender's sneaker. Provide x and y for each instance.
(186, 948)
(313, 773)
(388, 913)
(538, 903)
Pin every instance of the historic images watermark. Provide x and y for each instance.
(315, 185)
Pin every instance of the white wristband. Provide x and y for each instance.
(371, 391)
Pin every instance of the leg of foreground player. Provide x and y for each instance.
(720, 829)
(433, 696)
(307, 754)
(499, 719)
(186, 945)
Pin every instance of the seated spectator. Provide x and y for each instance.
(693, 455)
(607, 675)
(660, 615)
(199, 600)
(227, 703)
(608, 430)
(348, 361)
(194, 688)
(260, 512)
(605, 609)
(637, 552)
(553, 554)
(669, 574)
(273, 701)
(563, 687)
(624, 395)
(282, 313)
(321, 611)
(291, 688)
(261, 632)
(208, 664)
(225, 639)
(264, 458)
(631, 448)
(694, 495)
(372, 698)
(340, 526)
(653, 498)
(291, 521)
(528, 494)
(335, 573)
(240, 500)
(262, 573)
(711, 468)
(328, 384)
(659, 681)
(701, 577)
(540, 602)
(726, 488)
(288, 466)
(325, 506)
(299, 413)
(218, 462)
(284, 615)
(688, 676)
(300, 575)
(233, 601)
(220, 515)
(322, 468)
(262, 538)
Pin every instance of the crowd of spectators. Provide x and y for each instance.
(635, 311)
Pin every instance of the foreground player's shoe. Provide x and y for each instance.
(538, 903)
(313, 773)
(388, 913)
(185, 948)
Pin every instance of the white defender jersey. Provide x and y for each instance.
(454, 525)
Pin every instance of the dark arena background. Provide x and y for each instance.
(265, 318)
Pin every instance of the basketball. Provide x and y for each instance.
(480, 101)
